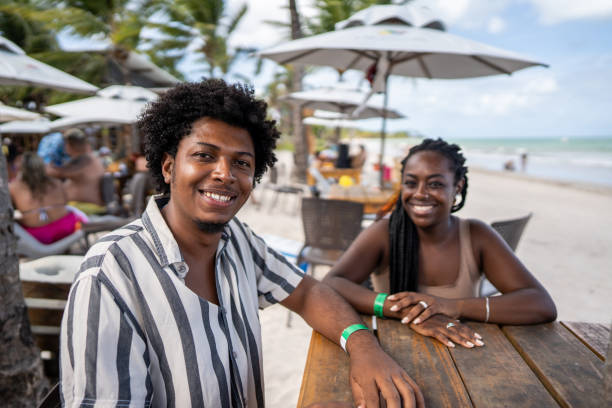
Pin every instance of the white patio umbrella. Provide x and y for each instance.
(399, 49)
(26, 127)
(348, 103)
(115, 104)
(16, 68)
(8, 113)
(343, 101)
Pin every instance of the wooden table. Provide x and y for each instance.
(547, 365)
(372, 199)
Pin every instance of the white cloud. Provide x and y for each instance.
(496, 25)
(556, 11)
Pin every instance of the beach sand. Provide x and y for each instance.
(566, 245)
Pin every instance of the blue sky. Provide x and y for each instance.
(571, 98)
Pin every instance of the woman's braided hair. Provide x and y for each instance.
(403, 237)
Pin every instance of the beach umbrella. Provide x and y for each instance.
(382, 50)
(349, 103)
(342, 101)
(115, 104)
(26, 127)
(8, 113)
(16, 68)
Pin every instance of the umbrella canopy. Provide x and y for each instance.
(16, 68)
(392, 14)
(414, 52)
(115, 104)
(329, 122)
(398, 49)
(342, 101)
(26, 127)
(9, 113)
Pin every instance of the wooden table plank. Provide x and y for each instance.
(570, 371)
(427, 361)
(495, 375)
(594, 335)
(326, 375)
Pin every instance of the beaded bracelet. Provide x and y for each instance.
(348, 331)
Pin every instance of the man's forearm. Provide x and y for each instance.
(323, 309)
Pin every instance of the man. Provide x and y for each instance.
(82, 173)
(164, 310)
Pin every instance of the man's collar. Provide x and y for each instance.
(165, 244)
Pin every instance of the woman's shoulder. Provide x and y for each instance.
(481, 233)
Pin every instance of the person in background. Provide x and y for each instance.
(358, 160)
(82, 174)
(431, 262)
(164, 311)
(41, 201)
(51, 149)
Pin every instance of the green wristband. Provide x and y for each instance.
(378, 304)
(350, 330)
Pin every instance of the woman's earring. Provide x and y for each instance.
(457, 198)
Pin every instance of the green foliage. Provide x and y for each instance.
(206, 23)
(331, 12)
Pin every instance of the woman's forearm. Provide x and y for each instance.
(524, 306)
(361, 298)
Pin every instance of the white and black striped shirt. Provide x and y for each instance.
(134, 335)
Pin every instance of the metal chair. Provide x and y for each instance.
(511, 231)
(279, 189)
(329, 228)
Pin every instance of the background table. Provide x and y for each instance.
(547, 365)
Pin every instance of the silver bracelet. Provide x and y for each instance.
(487, 309)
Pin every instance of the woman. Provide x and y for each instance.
(41, 200)
(432, 261)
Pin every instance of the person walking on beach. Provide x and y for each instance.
(164, 310)
(432, 262)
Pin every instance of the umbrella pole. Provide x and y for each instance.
(383, 133)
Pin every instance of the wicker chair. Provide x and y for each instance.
(511, 231)
(329, 228)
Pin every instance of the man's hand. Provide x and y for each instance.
(447, 331)
(423, 306)
(372, 372)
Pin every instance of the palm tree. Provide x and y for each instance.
(203, 27)
(22, 383)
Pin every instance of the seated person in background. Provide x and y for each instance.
(51, 149)
(82, 174)
(42, 202)
(432, 262)
(359, 159)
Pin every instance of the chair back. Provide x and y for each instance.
(330, 224)
(108, 192)
(511, 230)
(136, 194)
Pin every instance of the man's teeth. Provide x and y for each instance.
(218, 197)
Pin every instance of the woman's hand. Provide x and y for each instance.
(448, 331)
(424, 306)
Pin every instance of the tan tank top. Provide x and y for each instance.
(466, 285)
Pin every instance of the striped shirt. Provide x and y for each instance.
(134, 335)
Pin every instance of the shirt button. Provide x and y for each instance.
(234, 354)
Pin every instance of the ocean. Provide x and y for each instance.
(579, 159)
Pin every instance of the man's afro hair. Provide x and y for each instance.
(170, 118)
